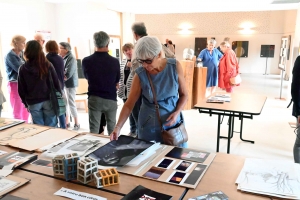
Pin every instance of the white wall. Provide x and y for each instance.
(24, 18)
(127, 20)
(267, 27)
(79, 21)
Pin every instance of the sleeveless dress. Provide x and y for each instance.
(166, 88)
(211, 61)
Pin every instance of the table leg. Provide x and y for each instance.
(218, 137)
(229, 132)
(241, 133)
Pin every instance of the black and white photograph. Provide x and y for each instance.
(44, 163)
(83, 145)
(120, 152)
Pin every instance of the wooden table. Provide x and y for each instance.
(221, 175)
(42, 187)
(127, 182)
(241, 106)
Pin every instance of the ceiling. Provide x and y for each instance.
(190, 6)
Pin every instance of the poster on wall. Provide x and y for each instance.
(46, 34)
(240, 48)
(267, 51)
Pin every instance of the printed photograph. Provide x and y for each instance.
(83, 145)
(184, 166)
(154, 172)
(195, 175)
(177, 177)
(188, 154)
(44, 163)
(120, 152)
(165, 163)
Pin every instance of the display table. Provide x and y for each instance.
(127, 182)
(42, 187)
(241, 106)
(221, 175)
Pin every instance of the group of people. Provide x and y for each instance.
(29, 69)
(222, 65)
(28, 73)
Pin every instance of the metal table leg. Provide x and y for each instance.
(218, 137)
(241, 133)
(229, 132)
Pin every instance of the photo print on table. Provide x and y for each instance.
(177, 177)
(120, 152)
(165, 163)
(188, 154)
(154, 172)
(44, 163)
(195, 175)
(184, 166)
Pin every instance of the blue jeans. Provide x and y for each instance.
(62, 121)
(43, 114)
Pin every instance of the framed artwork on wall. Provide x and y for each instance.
(267, 51)
(240, 48)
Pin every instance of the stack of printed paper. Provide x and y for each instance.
(270, 177)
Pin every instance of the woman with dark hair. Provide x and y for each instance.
(34, 85)
(58, 64)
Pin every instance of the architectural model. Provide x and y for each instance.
(106, 177)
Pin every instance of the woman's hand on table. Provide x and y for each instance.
(115, 134)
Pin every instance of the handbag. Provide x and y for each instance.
(236, 80)
(175, 135)
(56, 99)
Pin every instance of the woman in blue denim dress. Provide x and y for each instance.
(171, 92)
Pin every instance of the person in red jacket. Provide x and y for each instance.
(228, 67)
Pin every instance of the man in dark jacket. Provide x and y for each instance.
(102, 72)
(295, 92)
(71, 82)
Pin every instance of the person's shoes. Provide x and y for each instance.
(76, 127)
(68, 125)
(132, 135)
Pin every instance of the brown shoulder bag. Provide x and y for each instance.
(175, 135)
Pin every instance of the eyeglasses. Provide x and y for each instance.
(148, 61)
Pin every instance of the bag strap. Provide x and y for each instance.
(50, 79)
(155, 101)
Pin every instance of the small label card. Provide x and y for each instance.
(73, 194)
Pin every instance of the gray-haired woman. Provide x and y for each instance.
(168, 82)
(210, 58)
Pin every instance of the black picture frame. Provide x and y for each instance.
(267, 51)
(240, 48)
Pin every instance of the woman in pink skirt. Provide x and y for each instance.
(13, 60)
